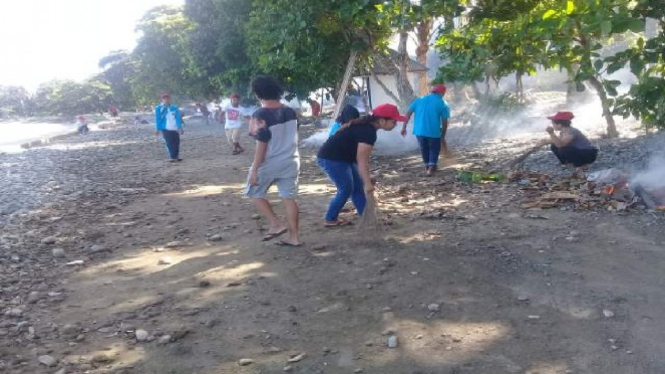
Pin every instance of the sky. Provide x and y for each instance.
(43, 40)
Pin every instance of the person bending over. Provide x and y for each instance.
(344, 157)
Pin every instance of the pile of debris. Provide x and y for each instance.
(608, 189)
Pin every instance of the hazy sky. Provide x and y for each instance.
(47, 39)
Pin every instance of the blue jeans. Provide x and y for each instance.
(347, 180)
(430, 149)
(172, 141)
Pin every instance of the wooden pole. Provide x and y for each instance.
(345, 83)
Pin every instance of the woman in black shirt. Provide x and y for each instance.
(344, 157)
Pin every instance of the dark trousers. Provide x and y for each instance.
(349, 184)
(430, 149)
(172, 141)
(575, 156)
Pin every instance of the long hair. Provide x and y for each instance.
(364, 120)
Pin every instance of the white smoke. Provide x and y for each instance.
(388, 143)
(653, 177)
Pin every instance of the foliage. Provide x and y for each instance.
(217, 45)
(15, 101)
(162, 56)
(646, 59)
(66, 97)
(119, 73)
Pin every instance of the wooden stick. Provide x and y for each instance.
(345, 83)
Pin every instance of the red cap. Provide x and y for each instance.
(388, 111)
(566, 116)
(235, 96)
(81, 117)
(438, 88)
(165, 95)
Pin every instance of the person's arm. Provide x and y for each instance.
(561, 141)
(362, 158)
(157, 118)
(408, 118)
(259, 157)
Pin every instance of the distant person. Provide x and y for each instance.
(571, 147)
(349, 112)
(345, 158)
(430, 126)
(316, 108)
(168, 121)
(81, 125)
(276, 160)
(232, 114)
(205, 113)
(113, 111)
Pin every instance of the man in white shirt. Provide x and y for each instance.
(232, 114)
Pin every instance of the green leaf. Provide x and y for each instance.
(598, 64)
(637, 65)
(570, 7)
(549, 14)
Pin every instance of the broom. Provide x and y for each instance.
(518, 160)
(370, 223)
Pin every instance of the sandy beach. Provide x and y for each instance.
(114, 261)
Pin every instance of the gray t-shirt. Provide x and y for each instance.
(281, 133)
(580, 141)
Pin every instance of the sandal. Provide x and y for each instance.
(282, 243)
(273, 235)
(338, 223)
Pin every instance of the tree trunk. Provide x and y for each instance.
(423, 34)
(404, 88)
(571, 86)
(607, 113)
(519, 86)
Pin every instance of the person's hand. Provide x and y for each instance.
(550, 130)
(253, 178)
(403, 132)
(181, 131)
(369, 190)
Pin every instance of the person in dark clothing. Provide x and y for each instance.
(571, 147)
(344, 157)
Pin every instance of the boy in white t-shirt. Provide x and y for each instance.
(233, 114)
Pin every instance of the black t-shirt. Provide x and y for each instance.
(343, 145)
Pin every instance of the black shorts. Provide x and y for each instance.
(575, 156)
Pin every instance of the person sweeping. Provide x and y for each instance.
(345, 158)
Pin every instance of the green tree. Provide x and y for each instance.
(67, 97)
(119, 73)
(217, 45)
(162, 56)
(646, 59)
(15, 101)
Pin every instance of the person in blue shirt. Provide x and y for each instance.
(168, 122)
(349, 112)
(430, 125)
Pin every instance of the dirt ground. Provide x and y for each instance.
(466, 280)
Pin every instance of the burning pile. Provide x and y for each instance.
(609, 189)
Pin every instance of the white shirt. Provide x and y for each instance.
(233, 116)
(170, 121)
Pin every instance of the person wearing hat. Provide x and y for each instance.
(349, 112)
(344, 157)
(571, 147)
(430, 125)
(81, 125)
(168, 122)
(232, 114)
